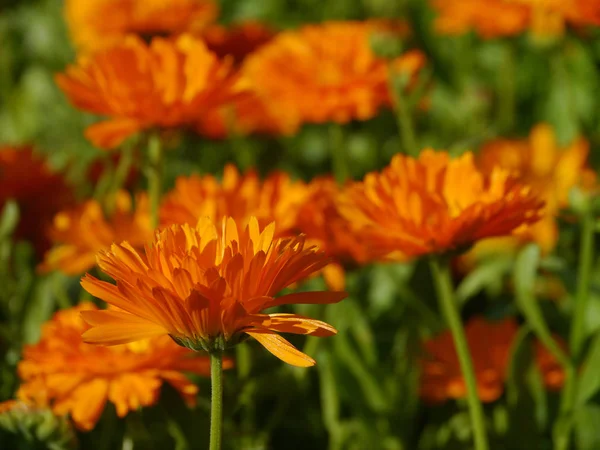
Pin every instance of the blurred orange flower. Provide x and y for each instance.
(99, 24)
(27, 178)
(490, 346)
(495, 18)
(237, 41)
(435, 204)
(325, 72)
(164, 84)
(240, 196)
(81, 232)
(206, 287)
(77, 378)
(551, 172)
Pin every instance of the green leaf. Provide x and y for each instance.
(589, 381)
(586, 428)
(9, 219)
(38, 310)
(489, 273)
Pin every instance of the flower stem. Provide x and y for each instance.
(155, 172)
(216, 401)
(339, 162)
(405, 123)
(440, 270)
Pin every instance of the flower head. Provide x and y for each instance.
(495, 18)
(27, 178)
(435, 204)
(323, 73)
(490, 347)
(81, 232)
(240, 196)
(164, 84)
(207, 288)
(99, 24)
(77, 378)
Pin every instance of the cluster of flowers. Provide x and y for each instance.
(225, 247)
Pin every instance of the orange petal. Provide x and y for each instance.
(292, 323)
(116, 327)
(110, 134)
(282, 349)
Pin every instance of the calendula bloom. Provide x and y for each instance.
(240, 196)
(237, 41)
(435, 204)
(550, 170)
(325, 72)
(164, 84)
(207, 288)
(26, 178)
(79, 233)
(78, 379)
(99, 24)
(490, 347)
(495, 18)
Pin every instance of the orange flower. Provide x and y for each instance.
(435, 204)
(490, 346)
(495, 18)
(238, 196)
(77, 378)
(81, 232)
(323, 73)
(26, 178)
(166, 84)
(207, 288)
(99, 24)
(238, 41)
(551, 172)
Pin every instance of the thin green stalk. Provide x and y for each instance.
(403, 117)
(216, 400)
(440, 270)
(155, 173)
(118, 177)
(586, 254)
(339, 161)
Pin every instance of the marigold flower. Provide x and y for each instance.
(79, 233)
(164, 84)
(490, 346)
(237, 41)
(495, 18)
(98, 24)
(240, 196)
(323, 73)
(551, 172)
(27, 178)
(207, 288)
(77, 378)
(435, 204)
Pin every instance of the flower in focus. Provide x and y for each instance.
(323, 73)
(490, 347)
(27, 178)
(239, 196)
(435, 204)
(495, 18)
(164, 84)
(238, 41)
(81, 232)
(77, 378)
(206, 287)
(99, 24)
(550, 171)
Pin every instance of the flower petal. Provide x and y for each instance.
(116, 327)
(281, 348)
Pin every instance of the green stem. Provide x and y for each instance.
(403, 118)
(216, 401)
(339, 161)
(586, 249)
(155, 172)
(440, 270)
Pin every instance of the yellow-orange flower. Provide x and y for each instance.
(240, 196)
(207, 288)
(76, 378)
(551, 171)
(323, 73)
(98, 24)
(164, 84)
(494, 18)
(435, 204)
(81, 232)
(27, 179)
(490, 347)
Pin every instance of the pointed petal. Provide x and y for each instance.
(117, 327)
(282, 349)
(292, 323)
